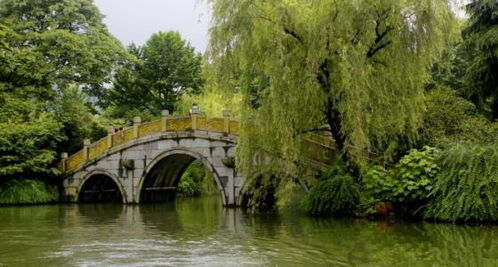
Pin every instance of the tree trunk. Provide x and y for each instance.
(334, 122)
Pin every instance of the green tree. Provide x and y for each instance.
(163, 70)
(314, 63)
(28, 138)
(55, 43)
(481, 37)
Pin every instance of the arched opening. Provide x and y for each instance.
(163, 180)
(100, 188)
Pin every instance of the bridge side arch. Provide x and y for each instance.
(100, 172)
(184, 152)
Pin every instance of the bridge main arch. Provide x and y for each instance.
(164, 172)
(100, 186)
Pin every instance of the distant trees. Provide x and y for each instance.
(163, 70)
(481, 39)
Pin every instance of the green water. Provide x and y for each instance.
(193, 232)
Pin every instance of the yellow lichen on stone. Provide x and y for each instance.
(149, 128)
(234, 127)
(75, 160)
(97, 148)
(179, 124)
(214, 125)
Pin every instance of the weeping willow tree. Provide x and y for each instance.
(353, 68)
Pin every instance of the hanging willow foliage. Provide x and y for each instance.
(466, 189)
(355, 68)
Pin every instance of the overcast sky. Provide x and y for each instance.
(135, 20)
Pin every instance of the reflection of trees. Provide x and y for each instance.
(89, 233)
(192, 217)
(303, 240)
(464, 245)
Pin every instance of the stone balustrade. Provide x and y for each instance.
(167, 123)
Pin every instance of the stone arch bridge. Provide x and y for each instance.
(144, 163)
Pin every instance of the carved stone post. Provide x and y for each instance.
(226, 116)
(110, 131)
(195, 113)
(136, 122)
(64, 157)
(164, 121)
(86, 148)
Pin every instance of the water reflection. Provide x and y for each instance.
(201, 232)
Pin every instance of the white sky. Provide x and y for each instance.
(136, 20)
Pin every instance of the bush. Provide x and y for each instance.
(26, 191)
(466, 189)
(337, 193)
(414, 175)
(408, 184)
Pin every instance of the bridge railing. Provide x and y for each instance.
(318, 147)
(167, 123)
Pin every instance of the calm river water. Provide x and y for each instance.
(200, 232)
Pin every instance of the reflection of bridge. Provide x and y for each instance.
(145, 162)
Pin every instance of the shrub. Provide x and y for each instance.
(408, 184)
(466, 189)
(26, 191)
(336, 194)
(414, 175)
(379, 183)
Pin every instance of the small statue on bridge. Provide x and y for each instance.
(195, 110)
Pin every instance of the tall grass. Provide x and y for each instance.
(27, 191)
(466, 188)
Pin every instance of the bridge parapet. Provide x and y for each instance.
(138, 130)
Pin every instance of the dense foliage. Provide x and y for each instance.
(466, 188)
(50, 52)
(54, 43)
(28, 138)
(450, 118)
